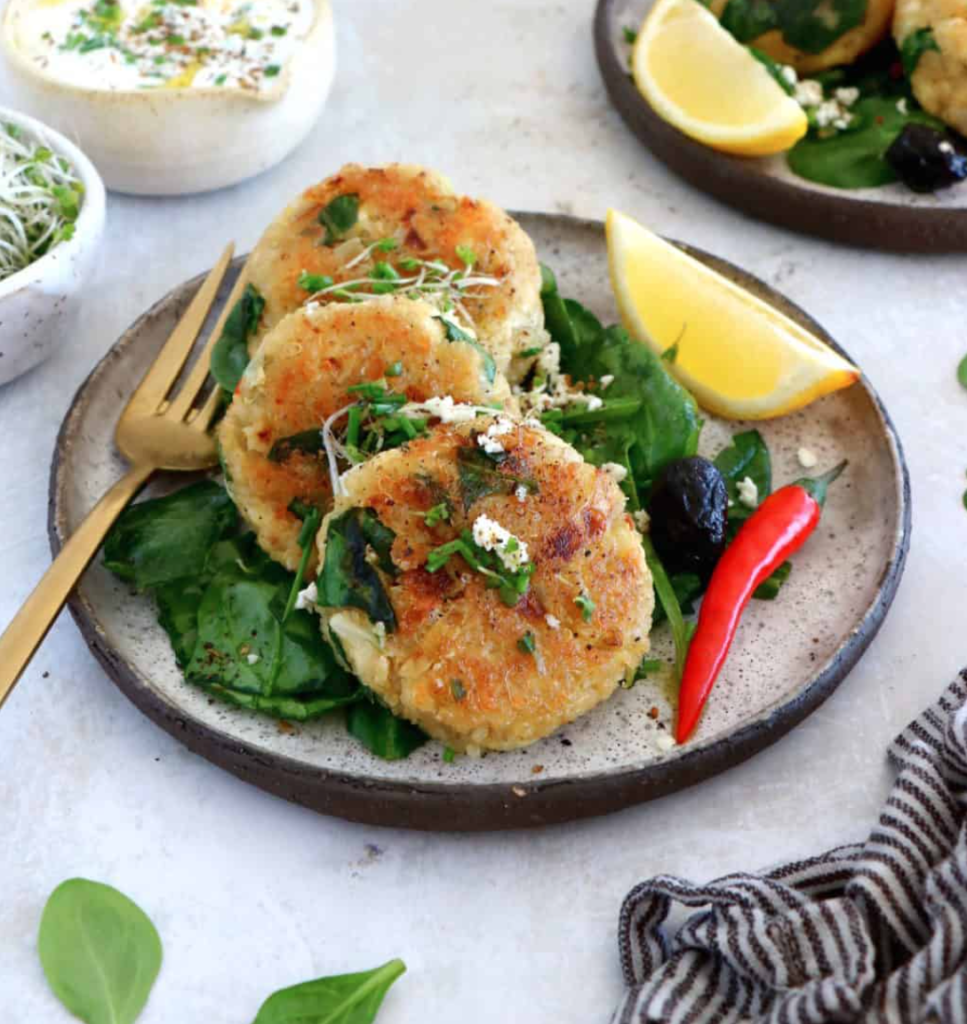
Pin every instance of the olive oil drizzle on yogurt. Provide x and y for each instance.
(122, 45)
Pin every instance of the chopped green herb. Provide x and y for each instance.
(255, 34)
(512, 584)
(456, 333)
(175, 40)
(220, 80)
(526, 644)
(587, 606)
(386, 245)
(630, 35)
(394, 369)
(467, 255)
(271, 70)
(526, 353)
(438, 514)
(279, 30)
(458, 690)
(313, 282)
(962, 372)
(339, 217)
(914, 46)
(449, 755)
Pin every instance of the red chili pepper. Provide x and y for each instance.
(776, 530)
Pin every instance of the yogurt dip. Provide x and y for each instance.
(125, 45)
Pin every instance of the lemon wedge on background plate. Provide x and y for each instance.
(700, 79)
(740, 357)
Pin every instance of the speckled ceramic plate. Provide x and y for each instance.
(789, 655)
(891, 217)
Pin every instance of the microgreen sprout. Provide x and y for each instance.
(438, 514)
(511, 583)
(526, 644)
(587, 606)
(40, 199)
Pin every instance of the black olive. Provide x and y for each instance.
(688, 510)
(925, 159)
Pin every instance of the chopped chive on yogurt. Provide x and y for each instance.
(40, 199)
(123, 45)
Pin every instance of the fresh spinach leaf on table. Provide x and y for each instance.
(99, 951)
(230, 354)
(165, 539)
(341, 999)
(381, 732)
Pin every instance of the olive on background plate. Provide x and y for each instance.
(926, 159)
(688, 510)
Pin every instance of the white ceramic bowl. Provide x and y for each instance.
(38, 304)
(177, 141)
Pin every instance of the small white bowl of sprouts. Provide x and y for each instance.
(51, 222)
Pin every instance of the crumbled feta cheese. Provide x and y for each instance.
(665, 741)
(809, 93)
(642, 520)
(520, 493)
(945, 147)
(553, 621)
(788, 74)
(902, 106)
(748, 492)
(606, 381)
(448, 411)
(831, 114)
(307, 598)
(847, 95)
(807, 458)
(616, 471)
(534, 423)
(491, 536)
(253, 659)
(594, 403)
(488, 440)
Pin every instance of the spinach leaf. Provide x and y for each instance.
(457, 333)
(381, 732)
(178, 605)
(347, 578)
(688, 588)
(339, 217)
(309, 442)
(341, 999)
(668, 425)
(856, 158)
(99, 951)
(914, 46)
(814, 25)
(769, 589)
(481, 476)
(962, 372)
(311, 521)
(245, 654)
(557, 320)
(747, 456)
(749, 19)
(165, 539)
(668, 599)
(230, 354)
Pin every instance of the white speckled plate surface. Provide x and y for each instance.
(891, 217)
(788, 656)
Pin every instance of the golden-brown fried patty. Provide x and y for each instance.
(458, 662)
(850, 45)
(426, 220)
(300, 376)
(939, 79)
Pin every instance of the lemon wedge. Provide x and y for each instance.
(700, 79)
(740, 357)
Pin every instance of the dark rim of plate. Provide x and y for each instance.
(492, 806)
(740, 182)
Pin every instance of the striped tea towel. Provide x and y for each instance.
(875, 932)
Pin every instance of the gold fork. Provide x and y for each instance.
(155, 432)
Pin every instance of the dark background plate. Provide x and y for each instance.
(789, 655)
(891, 217)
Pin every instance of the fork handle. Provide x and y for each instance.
(30, 625)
